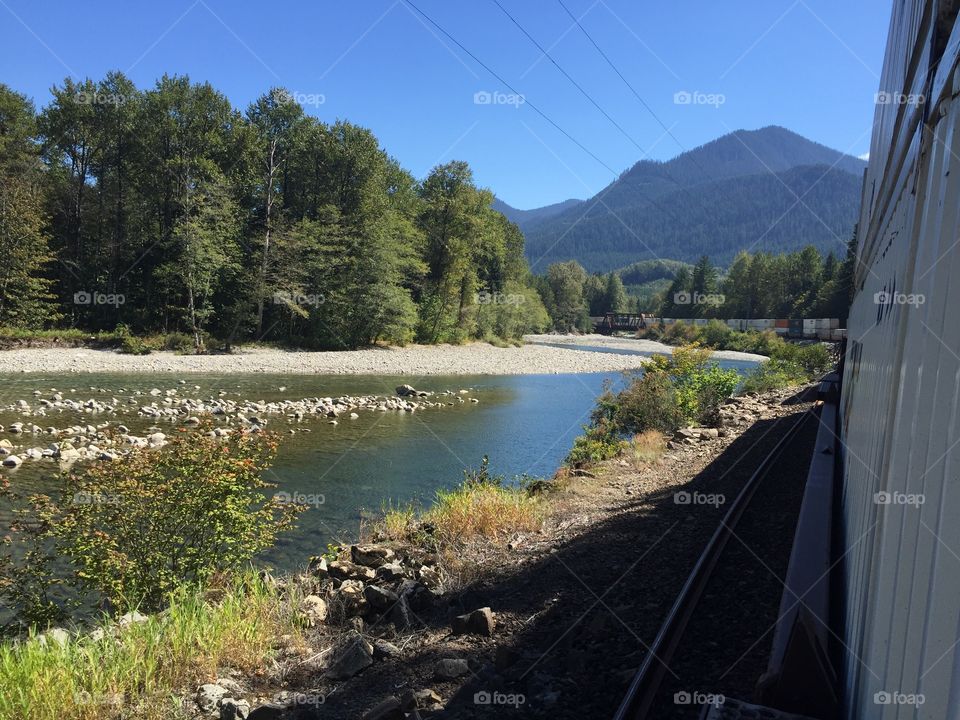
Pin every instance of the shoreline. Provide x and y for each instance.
(537, 356)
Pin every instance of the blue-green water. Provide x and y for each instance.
(525, 424)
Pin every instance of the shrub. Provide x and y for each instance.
(178, 342)
(598, 443)
(130, 345)
(140, 527)
(716, 334)
(771, 375)
(648, 403)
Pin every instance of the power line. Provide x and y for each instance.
(512, 89)
(568, 77)
(617, 71)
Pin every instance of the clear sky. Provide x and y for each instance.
(810, 65)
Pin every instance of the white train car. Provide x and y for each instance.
(900, 502)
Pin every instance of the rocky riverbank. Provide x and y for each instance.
(531, 624)
(534, 357)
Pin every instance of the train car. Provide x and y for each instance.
(900, 563)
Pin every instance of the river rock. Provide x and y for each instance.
(345, 570)
(12, 461)
(355, 655)
(478, 622)
(370, 555)
(350, 598)
(406, 391)
(209, 696)
(315, 609)
(232, 709)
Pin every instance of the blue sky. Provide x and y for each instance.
(810, 65)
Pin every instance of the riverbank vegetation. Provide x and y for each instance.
(483, 506)
(167, 210)
(672, 391)
(126, 533)
(143, 666)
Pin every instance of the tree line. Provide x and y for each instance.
(167, 210)
(802, 284)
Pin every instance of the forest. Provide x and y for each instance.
(168, 211)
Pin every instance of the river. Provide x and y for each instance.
(525, 424)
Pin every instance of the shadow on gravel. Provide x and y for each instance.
(590, 609)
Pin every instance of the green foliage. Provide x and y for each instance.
(133, 346)
(269, 225)
(141, 670)
(672, 391)
(140, 527)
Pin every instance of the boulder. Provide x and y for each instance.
(268, 711)
(209, 696)
(406, 391)
(314, 608)
(12, 461)
(383, 649)
(355, 655)
(379, 598)
(370, 555)
(350, 598)
(478, 622)
(390, 572)
(231, 709)
(450, 668)
(388, 709)
(345, 570)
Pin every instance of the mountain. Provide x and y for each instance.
(525, 219)
(737, 192)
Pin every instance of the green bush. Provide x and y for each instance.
(648, 403)
(772, 375)
(140, 527)
(178, 342)
(130, 345)
(598, 443)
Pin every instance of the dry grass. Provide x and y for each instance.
(646, 448)
(471, 511)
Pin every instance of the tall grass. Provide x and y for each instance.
(481, 507)
(141, 670)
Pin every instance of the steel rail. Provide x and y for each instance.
(646, 683)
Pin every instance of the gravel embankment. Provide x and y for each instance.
(538, 356)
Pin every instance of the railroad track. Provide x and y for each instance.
(650, 693)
